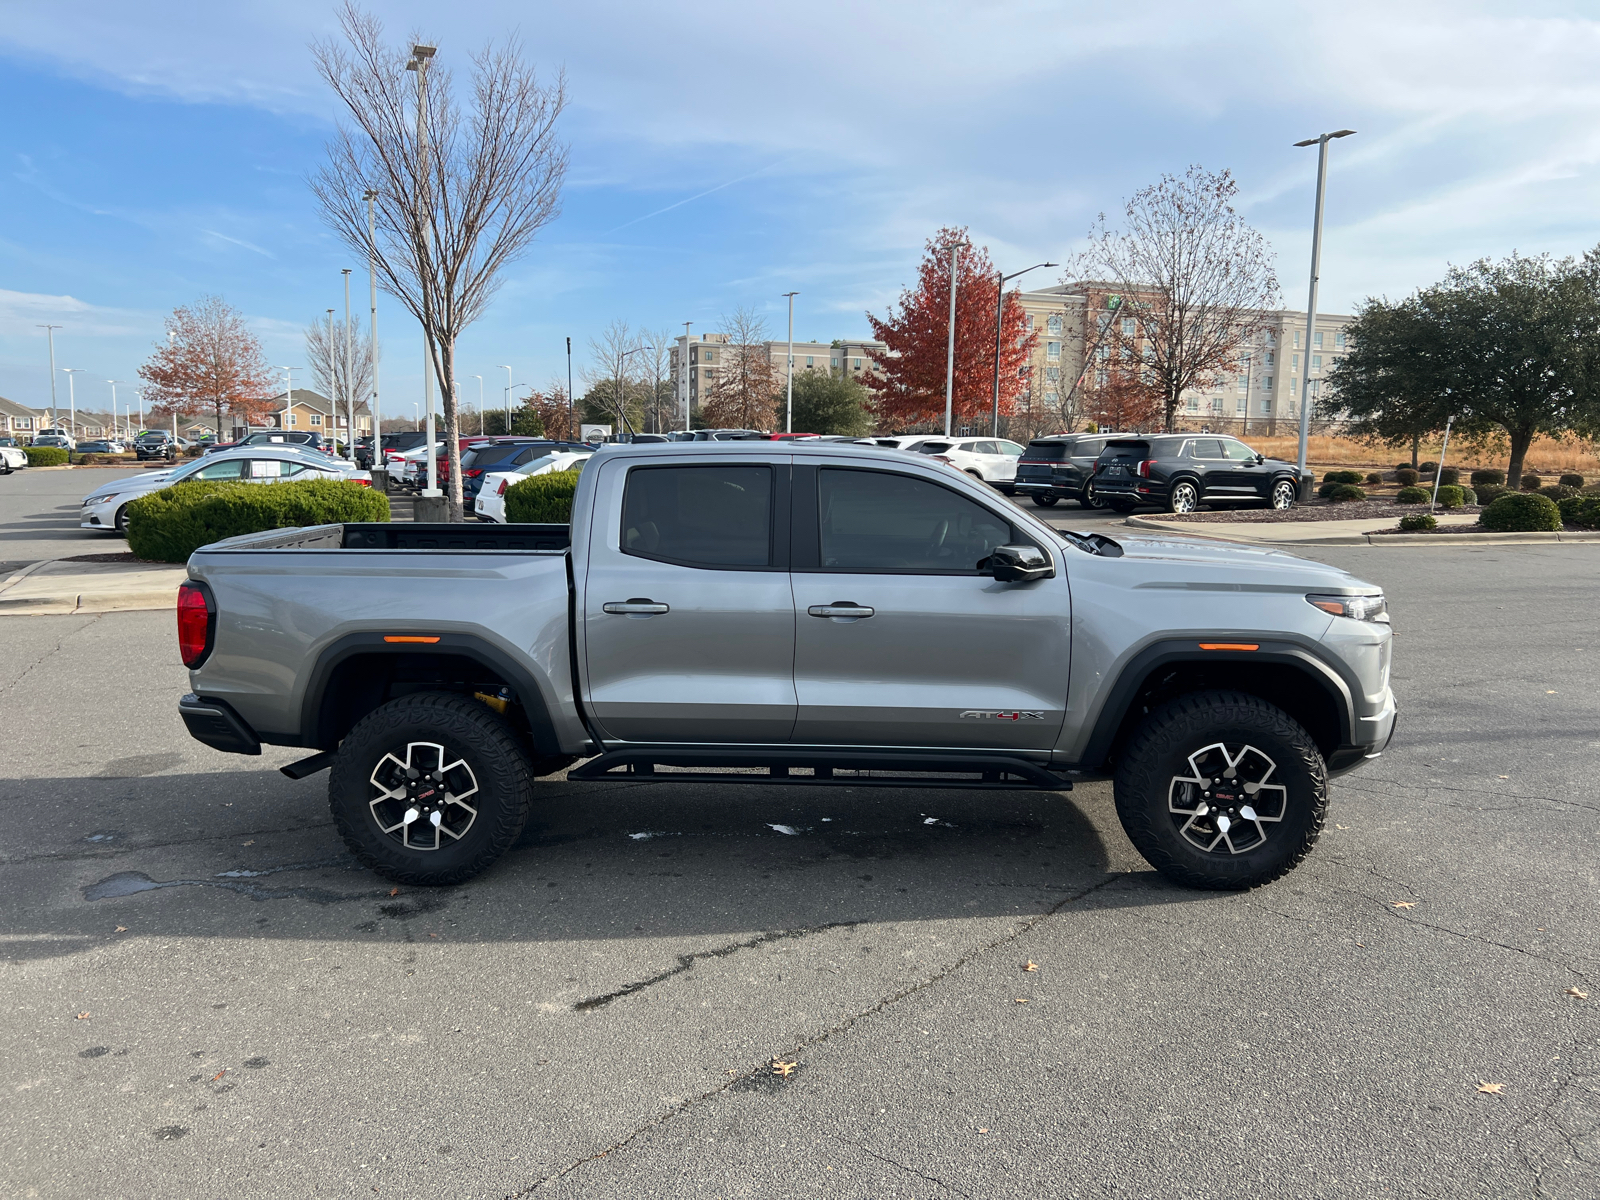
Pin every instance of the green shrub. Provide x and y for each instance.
(46, 456)
(1488, 493)
(171, 524)
(1411, 495)
(1405, 466)
(1418, 522)
(1582, 512)
(194, 451)
(1556, 492)
(1531, 483)
(1342, 477)
(1428, 468)
(1518, 512)
(1488, 476)
(1338, 493)
(1451, 496)
(1373, 479)
(1406, 477)
(1571, 481)
(542, 499)
(1449, 475)
(1468, 496)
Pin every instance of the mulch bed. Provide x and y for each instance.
(1315, 510)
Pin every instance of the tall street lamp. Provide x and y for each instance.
(950, 352)
(50, 335)
(372, 327)
(507, 370)
(349, 369)
(420, 57)
(999, 322)
(683, 367)
(479, 378)
(622, 395)
(72, 398)
(288, 394)
(113, 383)
(1321, 143)
(788, 408)
(571, 408)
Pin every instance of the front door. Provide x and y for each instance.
(687, 609)
(901, 638)
(1245, 475)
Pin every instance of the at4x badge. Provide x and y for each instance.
(991, 714)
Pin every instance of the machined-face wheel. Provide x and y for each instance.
(1283, 494)
(1184, 498)
(420, 795)
(1228, 799)
(1090, 497)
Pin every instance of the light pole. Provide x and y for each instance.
(999, 322)
(684, 367)
(113, 383)
(416, 416)
(1321, 143)
(288, 395)
(50, 336)
(479, 378)
(950, 352)
(622, 395)
(788, 405)
(571, 401)
(140, 394)
(349, 369)
(72, 398)
(420, 57)
(507, 370)
(372, 328)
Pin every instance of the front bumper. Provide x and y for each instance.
(1374, 734)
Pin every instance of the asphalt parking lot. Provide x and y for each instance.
(207, 998)
(39, 514)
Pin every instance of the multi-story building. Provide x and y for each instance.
(19, 421)
(304, 409)
(696, 359)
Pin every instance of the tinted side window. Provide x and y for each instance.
(1088, 449)
(711, 516)
(878, 521)
(221, 470)
(1205, 448)
(1239, 452)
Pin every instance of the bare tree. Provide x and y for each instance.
(743, 391)
(609, 376)
(1192, 281)
(656, 366)
(458, 194)
(327, 361)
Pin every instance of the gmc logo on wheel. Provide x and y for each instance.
(990, 714)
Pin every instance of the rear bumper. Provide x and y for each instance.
(216, 724)
(1038, 487)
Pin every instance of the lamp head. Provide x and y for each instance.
(423, 53)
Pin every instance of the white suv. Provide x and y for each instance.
(993, 460)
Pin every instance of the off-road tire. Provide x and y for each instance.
(1159, 751)
(1044, 501)
(468, 728)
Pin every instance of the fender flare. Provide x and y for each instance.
(1334, 680)
(315, 731)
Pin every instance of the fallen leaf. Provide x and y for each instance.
(219, 1074)
(1549, 691)
(394, 891)
(1336, 825)
(1494, 1089)
(1030, 965)
(1019, 1001)
(120, 929)
(251, 842)
(83, 1016)
(784, 1069)
(433, 935)
(1405, 904)
(984, 1130)
(1579, 993)
(1504, 777)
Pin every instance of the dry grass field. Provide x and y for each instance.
(1546, 457)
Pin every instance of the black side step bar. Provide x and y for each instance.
(776, 765)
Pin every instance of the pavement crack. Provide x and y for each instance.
(687, 961)
(677, 1110)
(884, 1158)
(117, 851)
(1520, 798)
(49, 654)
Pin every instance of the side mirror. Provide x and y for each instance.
(1260, 458)
(1019, 564)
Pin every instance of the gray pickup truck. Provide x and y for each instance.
(823, 614)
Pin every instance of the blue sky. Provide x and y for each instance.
(157, 152)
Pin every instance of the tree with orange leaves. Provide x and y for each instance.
(911, 373)
(210, 360)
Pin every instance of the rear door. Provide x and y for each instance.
(687, 608)
(901, 639)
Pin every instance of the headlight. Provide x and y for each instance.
(1357, 608)
(93, 501)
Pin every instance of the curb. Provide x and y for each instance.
(1373, 539)
(73, 601)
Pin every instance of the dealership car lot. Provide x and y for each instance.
(600, 1014)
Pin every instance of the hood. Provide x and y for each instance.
(134, 483)
(1206, 564)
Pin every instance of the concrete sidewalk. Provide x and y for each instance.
(1365, 532)
(58, 587)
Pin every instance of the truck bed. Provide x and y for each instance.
(404, 536)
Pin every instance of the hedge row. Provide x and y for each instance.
(45, 456)
(542, 499)
(171, 524)
(1581, 511)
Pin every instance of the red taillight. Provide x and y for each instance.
(364, 482)
(1144, 467)
(196, 623)
(473, 473)
(501, 490)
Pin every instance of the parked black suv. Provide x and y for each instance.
(1061, 468)
(157, 444)
(1183, 471)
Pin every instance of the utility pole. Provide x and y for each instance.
(1321, 143)
(372, 329)
(50, 336)
(950, 352)
(1249, 383)
(420, 56)
(684, 367)
(571, 400)
(349, 369)
(788, 407)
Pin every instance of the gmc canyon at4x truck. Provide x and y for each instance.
(823, 614)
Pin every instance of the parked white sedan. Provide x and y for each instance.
(12, 458)
(106, 508)
(993, 460)
(491, 502)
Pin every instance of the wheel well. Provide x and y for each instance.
(1296, 691)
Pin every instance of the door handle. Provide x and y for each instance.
(637, 606)
(840, 608)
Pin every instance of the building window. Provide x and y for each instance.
(1297, 339)
(1319, 339)
(1051, 396)
(1194, 403)
(1052, 351)
(1270, 358)
(1053, 325)
(1266, 407)
(1027, 322)
(1291, 385)
(1338, 340)
(1127, 326)
(1316, 359)
(1052, 374)
(1266, 383)
(808, 361)
(1294, 363)
(857, 366)
(1244, 383)
(835, 364)
(289, 420)
(316, 418)
(1104, 352)
(1104, 322)
(1242, 407)
(1100, 377)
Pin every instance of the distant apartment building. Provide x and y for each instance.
(18, 420)
(695, 361)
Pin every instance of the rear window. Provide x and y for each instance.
(710, 516)
(1125, 451)
(933, 447)
(1045, 452)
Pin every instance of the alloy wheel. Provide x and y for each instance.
(1283, 494)
(421, 796)
(1228, 799)
(1092, 497)
(1184, 498)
